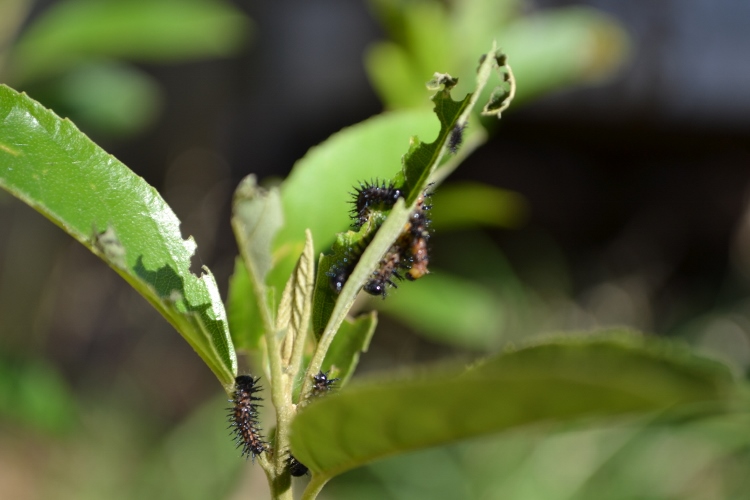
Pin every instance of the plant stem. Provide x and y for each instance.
(314, 487)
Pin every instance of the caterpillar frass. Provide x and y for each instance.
(322, 384)
(373, 194)
(243, 416)
(456, 137)
(296, 468)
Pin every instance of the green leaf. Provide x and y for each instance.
(450, 310)
(570, 378)
(257, 217)
(109, 98)
(33, 394)
(256, 220)
(49, 164)
(245, 321)
(423, 159)
(469, 204)
(295, 307)
(145, 30)
(352, 339)
(579, 45)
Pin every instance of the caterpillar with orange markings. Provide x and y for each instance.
(243, 416)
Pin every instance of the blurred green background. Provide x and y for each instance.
(612, 193)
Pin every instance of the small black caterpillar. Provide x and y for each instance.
(296, 468)
(243, 416)
(456, 137)
(388, 269)
(341, 270)
(409, 252)
(322, 383)
(373, 194)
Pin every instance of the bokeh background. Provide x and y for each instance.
(616, 188)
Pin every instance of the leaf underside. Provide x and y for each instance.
(571, 378)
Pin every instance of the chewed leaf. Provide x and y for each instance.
(422, 158)
(49, 164)
(418, 166)
(503, 94)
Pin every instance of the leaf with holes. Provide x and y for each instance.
(49, 164)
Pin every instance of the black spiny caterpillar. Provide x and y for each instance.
(243, 416)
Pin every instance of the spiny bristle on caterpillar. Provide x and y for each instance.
(243, 416)
(387, 269)
(456, 137)
(322, 384)
(407, 258)
(339, 272)
(374, 194)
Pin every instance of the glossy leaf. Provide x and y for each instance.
(49, 164)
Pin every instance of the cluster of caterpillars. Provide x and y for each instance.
(243, 417)
(407, 258)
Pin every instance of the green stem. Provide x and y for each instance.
(315, 486)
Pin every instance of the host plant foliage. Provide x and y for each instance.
(294, 326)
